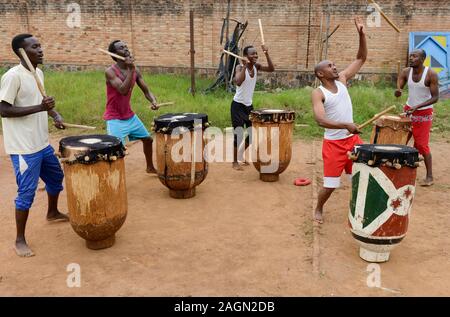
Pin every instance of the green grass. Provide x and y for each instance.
(80, 98)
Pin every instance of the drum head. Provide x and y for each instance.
(167, 123)
(272, 115)
(91, 148)
(379, 154)
(389, 120)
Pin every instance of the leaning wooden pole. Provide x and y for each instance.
(228, 45)
(192, 52)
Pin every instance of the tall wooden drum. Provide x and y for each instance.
(391, 130)
(383, 188)
(180, 162)
(95, 183)
(272, 128)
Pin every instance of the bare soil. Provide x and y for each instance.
(237, 237)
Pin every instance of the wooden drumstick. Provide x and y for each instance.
(33, 71)
(42, 90)
(79, 126)
(112, 54)
(234, 55)
(166, 104)
(375, 117)
(377, 7)
(261, 31)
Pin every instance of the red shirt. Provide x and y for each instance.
(117, 105)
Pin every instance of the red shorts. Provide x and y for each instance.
(335, 159)
(422, 120)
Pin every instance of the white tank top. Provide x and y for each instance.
(244, 92)
(338, 107)
(418, 92)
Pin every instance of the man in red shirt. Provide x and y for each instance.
(121, 121)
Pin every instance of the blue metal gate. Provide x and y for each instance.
(437, 46)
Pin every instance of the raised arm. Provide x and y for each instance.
(123, 87)
(361, 57)
(269, 68)
(147, 93)
(321, 118)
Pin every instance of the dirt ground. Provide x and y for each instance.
(237, 237)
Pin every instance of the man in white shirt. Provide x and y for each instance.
(242, 105)
(333, 110)
(423, 93)
(25, 133)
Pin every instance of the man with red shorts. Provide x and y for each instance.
(333, 110)
(423, 93)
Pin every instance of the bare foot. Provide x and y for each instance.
(151, 170)
(57, 216)
(318, 217)
(22, 249)
(237, 167)
(427, 182)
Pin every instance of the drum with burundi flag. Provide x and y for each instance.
(383, 188)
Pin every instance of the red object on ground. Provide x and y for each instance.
(302, 182)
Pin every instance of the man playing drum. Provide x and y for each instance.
(121, 121)
(423, 93)
(25, 133)
(242, 105)
(333, 110)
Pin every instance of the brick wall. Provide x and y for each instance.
(158, 31)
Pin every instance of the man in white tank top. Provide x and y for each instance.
(423, 93)
(242, 105)
(333, 111)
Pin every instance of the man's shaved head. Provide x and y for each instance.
(326, 70)
(420, 52)
(321, 66)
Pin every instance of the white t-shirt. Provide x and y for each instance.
(338, 107)
(244, 92)
(28, 134)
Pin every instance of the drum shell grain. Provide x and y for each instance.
(96, 198)
(285, 144)
(391, 130)
(177, 175)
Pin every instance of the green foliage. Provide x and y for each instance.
(80, 98)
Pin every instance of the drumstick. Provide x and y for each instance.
(112, 54)
(42, 90)
(71, 125)
(33, 71)
(261, 31)
(166, 104)
(377, 7)
(234, 55)
(375, 117)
